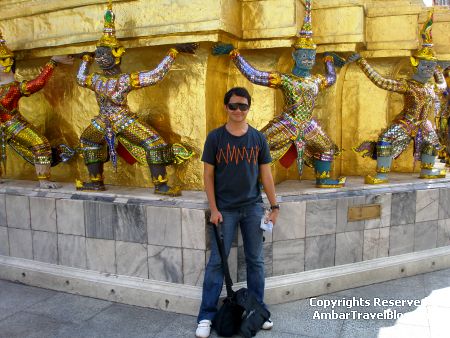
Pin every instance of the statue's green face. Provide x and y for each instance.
(425, 69)
(304, 58)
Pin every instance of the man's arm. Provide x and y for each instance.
(269, 189)
(208, 176)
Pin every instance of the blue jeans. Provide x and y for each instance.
(249, 219)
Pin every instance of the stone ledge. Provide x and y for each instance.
(186, 299)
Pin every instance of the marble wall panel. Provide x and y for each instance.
(401, 239)
(20, 243)
(343, 224)
(288, 256)
(72, 251)
(321, 217)
(45, 247)
(100, 219)
(425, 235)
(193, 234)
(444, 203)
(427, 205)
(18, 211)
(385, 217)
(443, 235)
(349, 247)
(70, 217)
(320, 251)
(164, 226)
(3, 221)
(403, 208)
(193, 266)
(101, 255)
(43, 214)
(164, 264)
(4, 241)
(131, 259)
(376, 243)
(291, 222)
(131, 223)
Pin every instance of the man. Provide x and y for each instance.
(234, 156)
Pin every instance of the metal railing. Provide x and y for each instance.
(442, 2)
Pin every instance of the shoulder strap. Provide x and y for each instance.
(226, 271)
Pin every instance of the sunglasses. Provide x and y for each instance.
(241, 106)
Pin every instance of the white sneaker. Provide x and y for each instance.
(268, 324)
(204, 329)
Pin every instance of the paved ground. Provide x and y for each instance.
(32, 312)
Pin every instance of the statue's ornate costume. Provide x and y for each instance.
(413, 123)
(295, 134)
(14, 128)
(116, 119)
(443, 120)
(117, 128)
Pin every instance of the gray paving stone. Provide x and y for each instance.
(70, 217)
(17, 297)
(122, 320)
(131, 223)
(100, 255)
(18, 211)
(425, 235)
(444, 202)
(193, 266)
(100, 219)
(401, 239)
(131, 259)
(403, 208)
(3, 221)
(443, 236)
(20, 243)
(321, 217)
(164, 226)
(319, 251)
(193, 234)
(291, 222)
(288, 256)
(72, 251)
(29, 325)
(373, 328)
(343, 225)
(69, 308)
(45, 247)
(43, 214)
(298, 318)
(349, 247)
(164, 264)
(427, 205)
(4, 241)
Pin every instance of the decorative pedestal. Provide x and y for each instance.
(130, 246)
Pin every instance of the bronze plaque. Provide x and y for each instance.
(361, 212)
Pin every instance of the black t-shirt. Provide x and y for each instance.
(236, 161)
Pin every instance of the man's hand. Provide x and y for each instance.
(274, 215)
(216, 217)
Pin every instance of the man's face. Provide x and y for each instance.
(237, 108)
(304, 58)
(104, 57)
(425, 69)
